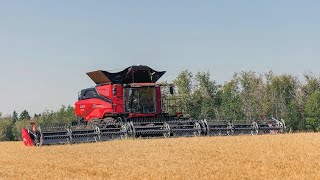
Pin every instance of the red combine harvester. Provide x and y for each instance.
(130, 104)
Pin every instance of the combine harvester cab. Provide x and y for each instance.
(130, 104)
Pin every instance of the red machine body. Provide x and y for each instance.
(99, 108)
(25, 136)
(132, 92)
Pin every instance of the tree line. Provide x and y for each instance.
(247, 96)
(250, 96)
(10, 126)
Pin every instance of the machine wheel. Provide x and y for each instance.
(255, 128)
(98, 132)
(204, 127)
(197, 129)
(130, 129)
(41, 141)
(124, 128)
(70, 135)
(106, 122)
(166, 129)
(283, 127)
(40, 138)
(230, 130)
(119, 120)
(207, 127)
(93, 123)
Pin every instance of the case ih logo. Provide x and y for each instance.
(99, 106)
(82, 106)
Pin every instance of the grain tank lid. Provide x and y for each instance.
(132, 74)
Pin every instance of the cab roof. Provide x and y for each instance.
(132, 74)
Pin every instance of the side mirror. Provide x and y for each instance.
(171, 90)
(114, 90)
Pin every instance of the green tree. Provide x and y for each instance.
(252, 94)
(14, 116)
(312, 112)
(25, 115)
(312, 84)
(283, 94)
(17, 127)
(183, 84)
(204, 96)
(231, 105)
(6, 129)
(36, 116)
(64, 116)
(293, 116)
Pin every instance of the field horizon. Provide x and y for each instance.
(283, 156)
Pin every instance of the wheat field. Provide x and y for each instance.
(287, 156)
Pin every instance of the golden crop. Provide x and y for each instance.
(288, 156)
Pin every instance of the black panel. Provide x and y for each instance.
(132, 74)
(92, 93)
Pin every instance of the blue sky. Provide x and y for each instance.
(47, 46)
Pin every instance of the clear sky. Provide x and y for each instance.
(47, 46)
